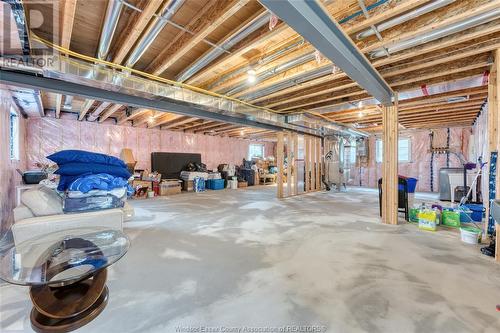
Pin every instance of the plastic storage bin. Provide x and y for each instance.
(412, 184)
(470, 235)
(477, 212)
(215, 184)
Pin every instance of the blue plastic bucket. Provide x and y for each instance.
(477, 211)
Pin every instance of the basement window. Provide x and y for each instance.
(404, 150)
(14, 134)
(255, 151)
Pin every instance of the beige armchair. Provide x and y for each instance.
(46, 217)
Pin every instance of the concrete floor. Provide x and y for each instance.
(241, 258)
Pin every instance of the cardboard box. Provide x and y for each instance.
(142, 183)
(188, 185)
(170, 190)
(242, 184)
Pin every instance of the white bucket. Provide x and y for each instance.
(470, 237)
(151, 194)
(233, 184)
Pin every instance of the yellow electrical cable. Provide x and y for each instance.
(141, 73)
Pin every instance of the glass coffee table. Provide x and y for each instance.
(66, 273)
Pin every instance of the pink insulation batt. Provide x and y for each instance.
(48, 135)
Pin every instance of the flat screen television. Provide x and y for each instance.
(170, 165)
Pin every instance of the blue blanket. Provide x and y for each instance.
(101, 181)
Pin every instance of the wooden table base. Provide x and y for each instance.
(64, 309)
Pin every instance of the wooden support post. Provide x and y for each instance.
(390, 164)
(313, 164)
(289, 164)
(279, 159)
(318, 164)
(494, 135)
(295, 166)
(307, 158)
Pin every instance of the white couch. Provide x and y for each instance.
(45, 217)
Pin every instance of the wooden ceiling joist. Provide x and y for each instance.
(132, 115)
(215, 128)
(217, 11)
(176, 122)
(163, 119)
(85, 108)
(137, 25)
(109, 112)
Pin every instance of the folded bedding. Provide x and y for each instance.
(101, 181)
(80, 156)
(75, 205)
(79, 169)
(117, 192)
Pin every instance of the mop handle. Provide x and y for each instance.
(474, 181)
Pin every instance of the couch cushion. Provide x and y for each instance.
(22, 212)
(42, 201)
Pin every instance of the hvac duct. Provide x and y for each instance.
(405, 17)
(157, 27)
(274, 71)
(239, 35)
(319, 72)
(260, 62)
(438, 33)
(110, 22)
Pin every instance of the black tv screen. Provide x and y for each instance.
(170, 165)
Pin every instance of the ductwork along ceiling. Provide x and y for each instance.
(245, 58)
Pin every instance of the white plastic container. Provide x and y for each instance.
(470, 235)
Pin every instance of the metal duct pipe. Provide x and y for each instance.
(110, 22)
(68, 102)
(260, 62)
(274, 71)
(405, 17)
(438, 33)
(155, 30)
(319, 72)
(239, 35)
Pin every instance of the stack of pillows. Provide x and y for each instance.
(78, 166)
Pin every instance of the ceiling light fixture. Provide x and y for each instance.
(251, 75)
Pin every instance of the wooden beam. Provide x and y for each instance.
(289, 177)
(194, 126)
(67, 20)
(488, 7)
(109, 112)
(134, 114)
(164, 118)
(385, 15)
(318, 163)
(98, 110)
(279, 159)
(217, 11)
(307, 162)
(274, 99)
(138, 24)
(390, 165)
(295, 163)
(85, 108)
(494, 133)
(213, 127)
(176, 122)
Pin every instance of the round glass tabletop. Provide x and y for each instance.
(62, 257)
